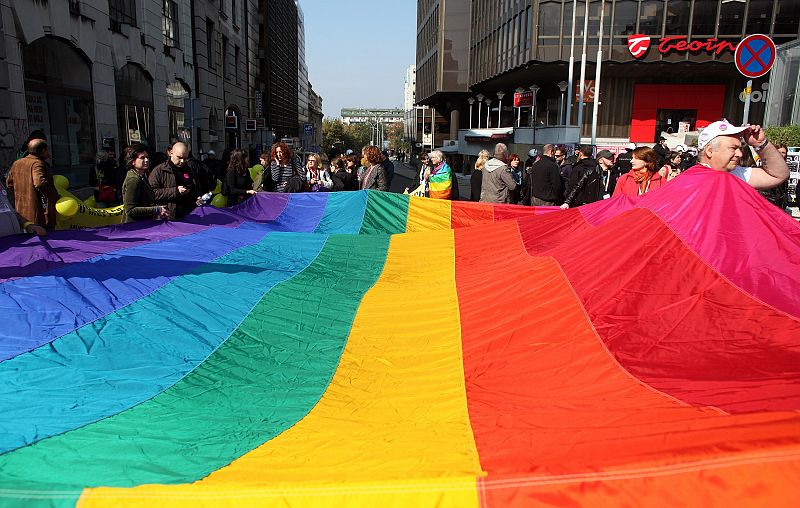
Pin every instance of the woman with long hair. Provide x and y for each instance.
(476, 178)
(238, 182)
(138, 198)
(317, 176)
(672, 168)
(643, 177)
(284, 167)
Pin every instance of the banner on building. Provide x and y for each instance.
(523, 99)
(588, 91)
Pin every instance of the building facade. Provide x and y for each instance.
(225, 42)
(105, 74)
(279, 66)
(315, 119)
(303, 114)
(666, 64)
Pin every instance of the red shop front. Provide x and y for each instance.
(673, 108)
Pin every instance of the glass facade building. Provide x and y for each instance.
(664, 62)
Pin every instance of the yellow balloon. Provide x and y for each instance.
(218, 188)
(90, 202)
(219, 201)
(61, 182)
(67, 207)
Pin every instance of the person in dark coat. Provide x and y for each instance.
(174, 183)
(544, 186)
(344, 179)
(661, 151)
(138, 198)
(584, 180)
(238, 183)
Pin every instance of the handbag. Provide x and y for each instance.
(106, 193)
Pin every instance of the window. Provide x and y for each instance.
(549, 23)
(122, 12)
(236, 64)
(787, 16)
(731, 17)
(678, 17)
(650, 17)
(170, 23)
(210, 49)
(225, 57)
(759, 17)
(704, 18)
(233, 12)
(624, 21)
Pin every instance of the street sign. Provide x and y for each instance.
(755, 55)
(261, 123)
(259, 103)
(308, 128)
(250, 124)
(523, 99)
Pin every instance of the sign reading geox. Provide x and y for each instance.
(638, 44)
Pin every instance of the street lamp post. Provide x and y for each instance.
(488, 112)
(500, 96)
(534, 89)
(562, 85)
(480, 105)
(471, 101)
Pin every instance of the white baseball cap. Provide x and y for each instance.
(718, 128)
(630, 146)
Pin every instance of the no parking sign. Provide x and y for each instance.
(755, 55)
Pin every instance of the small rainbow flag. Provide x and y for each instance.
(370, 349)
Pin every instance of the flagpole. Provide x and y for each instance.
(583, 68)
(596, 102)
(571, 65)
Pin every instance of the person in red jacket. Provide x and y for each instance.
(643, 177)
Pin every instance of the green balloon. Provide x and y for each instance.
(219, 201)
(61, 182)
(218, 188)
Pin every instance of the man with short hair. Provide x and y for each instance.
(174, 182)
(31, 183)
(388, 167)
(662, 151)
(497, 182)
(608, 177)
(720, 146)
(544, 186)
(584, 181)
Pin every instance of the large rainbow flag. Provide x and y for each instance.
(370, 349)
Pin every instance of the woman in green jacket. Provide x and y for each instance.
(138, 198)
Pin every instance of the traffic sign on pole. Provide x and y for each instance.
(755, 55)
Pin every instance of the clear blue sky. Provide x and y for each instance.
(357, 51)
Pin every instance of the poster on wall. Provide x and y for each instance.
(36, 107)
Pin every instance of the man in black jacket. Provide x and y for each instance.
(584, 181)
(544, 186)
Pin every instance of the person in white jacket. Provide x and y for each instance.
(317, 176)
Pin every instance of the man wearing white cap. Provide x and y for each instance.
(720, 146)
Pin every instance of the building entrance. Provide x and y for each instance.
(674, 121)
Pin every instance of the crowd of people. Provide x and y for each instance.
(552, 178)
(170, 185)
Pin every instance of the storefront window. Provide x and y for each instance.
(677, 14)
(177, 93)
(731, 16)
(787, 17)
(759, 16)
(651, 17)
(134, 106)
(704, 18)
(59, 101)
